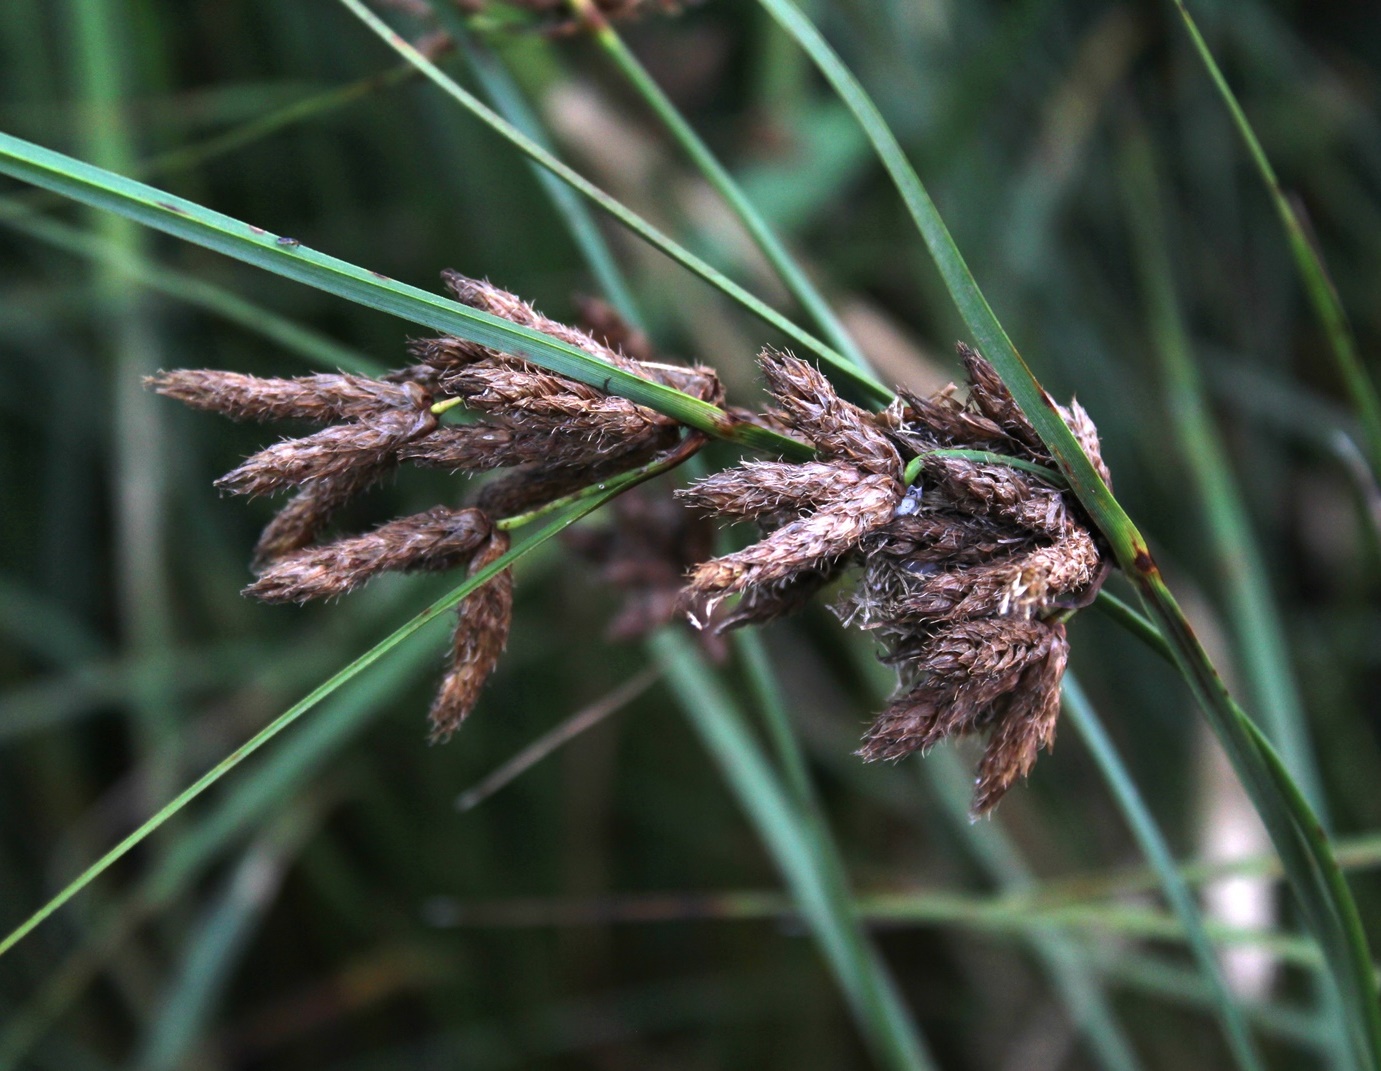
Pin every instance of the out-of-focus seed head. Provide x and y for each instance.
(644, 554)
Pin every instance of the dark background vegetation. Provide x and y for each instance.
(337, 924)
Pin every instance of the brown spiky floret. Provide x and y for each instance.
(816, 513)
(323, 399)
(965, 576)
(306, 515)
(996, 675)
(482, 623)
(329, 453)
(438, 539)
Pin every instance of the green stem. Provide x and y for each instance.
(689, 446)
(983, 457)
(1134, 622)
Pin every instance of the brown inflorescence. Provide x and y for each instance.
(966, 576)
(553, 434)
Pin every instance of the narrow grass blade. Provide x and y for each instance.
(285, 256)
(217, 942)
(869, 991)
(771, 703)
(1308, 262)
(1300, 1026)
(1018, 916)
(1079, 711)
(507, 98)
(272, 786)
(1293, 827)
(1256, 625)
(284, 720)
(844, 370)
(797, 283)
(579, 722)
(131, 340)
(310, 345)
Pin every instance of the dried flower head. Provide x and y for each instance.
(554, 435)
(965, 576)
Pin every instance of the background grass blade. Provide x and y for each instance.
(771, 247)
(507, 98)
(1317, 285)
(787, 835)
(1259, 636)
(1080, 712)
(312, 346)
(1065, 960)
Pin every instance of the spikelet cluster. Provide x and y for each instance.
(551, 436)
(965, 575)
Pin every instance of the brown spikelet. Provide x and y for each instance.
(440, 538)
(771, 489)
(798, 546)
(838, 429)
(318, 398)
(999, 492)
(437, 356)
(943, 420)
(768, 602)
(966, 668)
(483, 295)
(1081, 424)
(944, 536)
(483, 620)
(536, 485)
(1022, 584)
(1024, 727)
(331, 452)
(990, 395)
(304, 516)
(543, 400)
